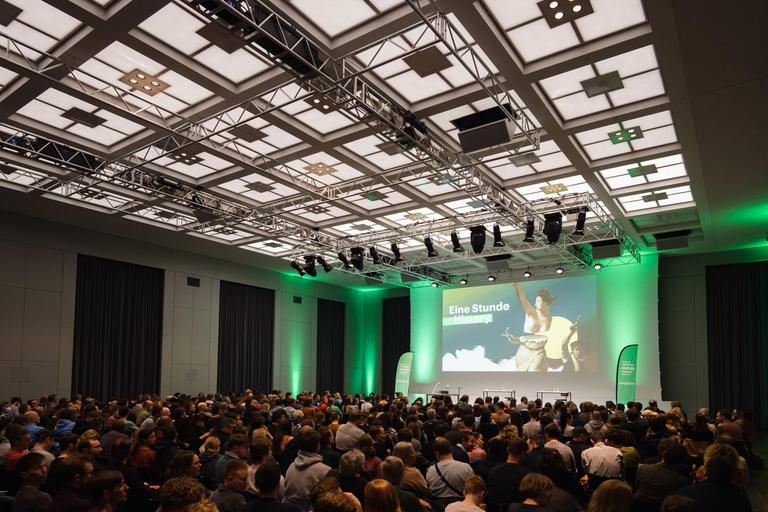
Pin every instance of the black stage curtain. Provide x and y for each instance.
(246, 338)
(118, 328)
(330, 345)
(737, 337)
(395, 338)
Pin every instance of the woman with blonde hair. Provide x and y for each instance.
(611, 496)
(380, 496)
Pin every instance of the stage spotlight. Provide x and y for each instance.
(463, 280)
(295, 265)
(491, 278)
(497, 240)
(457, 247)
(477, 238)
(435, 284)
(598, 265)
(326, 266)
(560, 270)
(374, 255)
(309, 265)
(396, 252)
(581, 219)
(343, 258)
(527, 274)
(553, 226)
(530, 227)
(358, 254)
(431, 252)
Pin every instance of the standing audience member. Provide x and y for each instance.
(267, 479)
(716, 491)
(33, 470)
(601, 462)
(474, 494)
(504, 480)
(106, 490)
(305, 471)
(230, 496)
(74, 474)
(380, 496)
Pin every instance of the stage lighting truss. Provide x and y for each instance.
(61, 170)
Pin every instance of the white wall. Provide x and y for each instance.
(38, 263)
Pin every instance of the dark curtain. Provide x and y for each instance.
(118, 329)
(737, 337)
(330, 345)
(246, 338)
(395, 338)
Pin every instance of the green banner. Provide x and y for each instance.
(626, 375)
(403, 374)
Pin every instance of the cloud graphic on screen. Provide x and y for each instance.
(474, 360)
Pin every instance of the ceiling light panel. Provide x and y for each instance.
(380, 198)
(237, 66)
(669, 167)
(320, 212)
(335, 16)
(675, 197)
(597, 144)
(413, 216)
(184, 35)
(324, 122)
(466, 205)
(610, 17)
(272, 191)
(229, 234)
(535, 40)
(39, 25)
(359, 227)
(554, 188)
(270, 247)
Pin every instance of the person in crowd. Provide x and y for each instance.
(179, 494)
(611, 496)
(44, 442)
(230, 496)
(474, 495)
(578, 443)
(106, 490)
(331, 457)
(536, 490)
(552, 466)
(413, 479)
(184, 463)
(238, 448)
(654, 482)
(19, 439)
(166, 446)
(716, 492)
(32, 423)
(497, 454)
(393, 469)
(305, 471)
(267, 480)
(351, 474)
(553, 433)
(117, 431)
(601, 462)
(74, 474)
(535, 446)
(504, 480)
(380, 496)
(33, 470)
(678, 504)
(446, 478)
(348, 435)
(533, 426)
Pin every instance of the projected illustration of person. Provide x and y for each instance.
(550, 335)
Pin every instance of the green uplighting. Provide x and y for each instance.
(426, 333)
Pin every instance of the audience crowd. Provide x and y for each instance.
(329, 452)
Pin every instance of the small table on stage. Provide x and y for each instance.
(432, 395)
(503, 393)
(561, 394)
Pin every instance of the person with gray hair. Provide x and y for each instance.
(393, 470)
(350, 474)
(412, 480)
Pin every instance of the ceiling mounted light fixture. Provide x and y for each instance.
(598, 265)
(553, 226)
(374, 255)
(581, 220)
(457, 247)
(560, 270)
(560, 12)
(497, 240)
(463, 280)
(477, 238)
(297, 267)
(435, 284)
(323, 263)
(358, 254)
(144, 82)
(344, 260)
(491, 278)
(396, 252)
(309, 265)
(527, 274)
(530, 228)
(431, 252)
